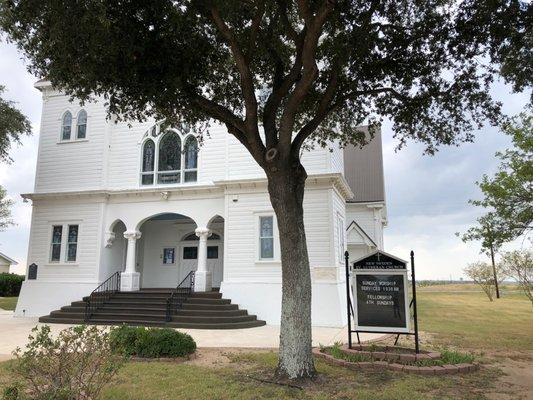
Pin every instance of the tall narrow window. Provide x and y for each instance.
(147, 174)
(191, 160)
(266, 237)
(55, 248)
(66, 126)
(341, 233)
(72, 242)
(81, 125)
(169, 159)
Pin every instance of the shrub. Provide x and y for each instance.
(151, 342)
(75, 365)
(10, 284)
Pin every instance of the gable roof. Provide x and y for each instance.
(9, 260)
(380, 252)
(363, 170)
(357, 228)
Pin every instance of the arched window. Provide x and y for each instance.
(147, 173)
(81, 125)
(192, 236)
(169, 167)
(66, 126)
(191, 159)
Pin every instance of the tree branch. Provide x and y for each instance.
(247, 85)
(310, 70)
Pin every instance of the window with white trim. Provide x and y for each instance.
(81, 125)
(55, 246)
(148, 162)
(72, 243)
(169, 165)
(191, 160)
(66, 126)
(266, 237)
(171, 160)
(340, 234)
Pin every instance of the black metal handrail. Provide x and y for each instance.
(101, 294)
(177, 297)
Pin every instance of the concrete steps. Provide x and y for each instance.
(147, 307)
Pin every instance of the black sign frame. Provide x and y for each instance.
(376, 271)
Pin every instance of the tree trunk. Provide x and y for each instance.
(286, 189)
(494, 271)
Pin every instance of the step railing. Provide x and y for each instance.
(101, 294)
(177, 297)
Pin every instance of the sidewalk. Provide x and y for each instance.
(14, 333)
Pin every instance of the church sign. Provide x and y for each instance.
(379, 285)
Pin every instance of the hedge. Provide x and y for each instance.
(10, 284)
(151, 342)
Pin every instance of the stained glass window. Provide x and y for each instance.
(81, 130)
(191, 159)
(169, 159)
(66, 126)
(72, 242)
(148, 163)
(266, 237)
(55, 251)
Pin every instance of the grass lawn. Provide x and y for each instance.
(238, 375)
(8, 303)
(452, 317)
(467, 319)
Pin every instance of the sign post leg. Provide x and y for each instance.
(348, 302)
(414, 300)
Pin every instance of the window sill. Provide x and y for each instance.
(72, 141)
(268, 262)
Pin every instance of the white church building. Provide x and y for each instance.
(151, 205)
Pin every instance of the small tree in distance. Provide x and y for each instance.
(482, 275)
(518, 265)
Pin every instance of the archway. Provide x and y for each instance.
(114, 256)
(159, 249)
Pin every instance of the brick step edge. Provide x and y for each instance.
(410, 369)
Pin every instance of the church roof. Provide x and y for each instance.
(363, 170)
(9, 260)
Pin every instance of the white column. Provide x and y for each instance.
(130, 279)
(202, 278)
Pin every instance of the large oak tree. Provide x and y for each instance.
(299, 70)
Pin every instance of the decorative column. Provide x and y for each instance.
(202, 278)
(130, 279)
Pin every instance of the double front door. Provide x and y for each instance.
(188, 260)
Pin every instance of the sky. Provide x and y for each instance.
(427, 196)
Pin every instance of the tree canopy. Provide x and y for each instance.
(508, 195)
(13, 125)
(301, 68)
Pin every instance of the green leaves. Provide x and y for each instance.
(417, 63)
(509, 193)
(13, 125)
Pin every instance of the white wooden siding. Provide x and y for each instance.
(70, 165)
(110, 157)
(87, 216)
(338, 211)
(240, 262)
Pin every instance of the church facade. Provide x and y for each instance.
(154, 204)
